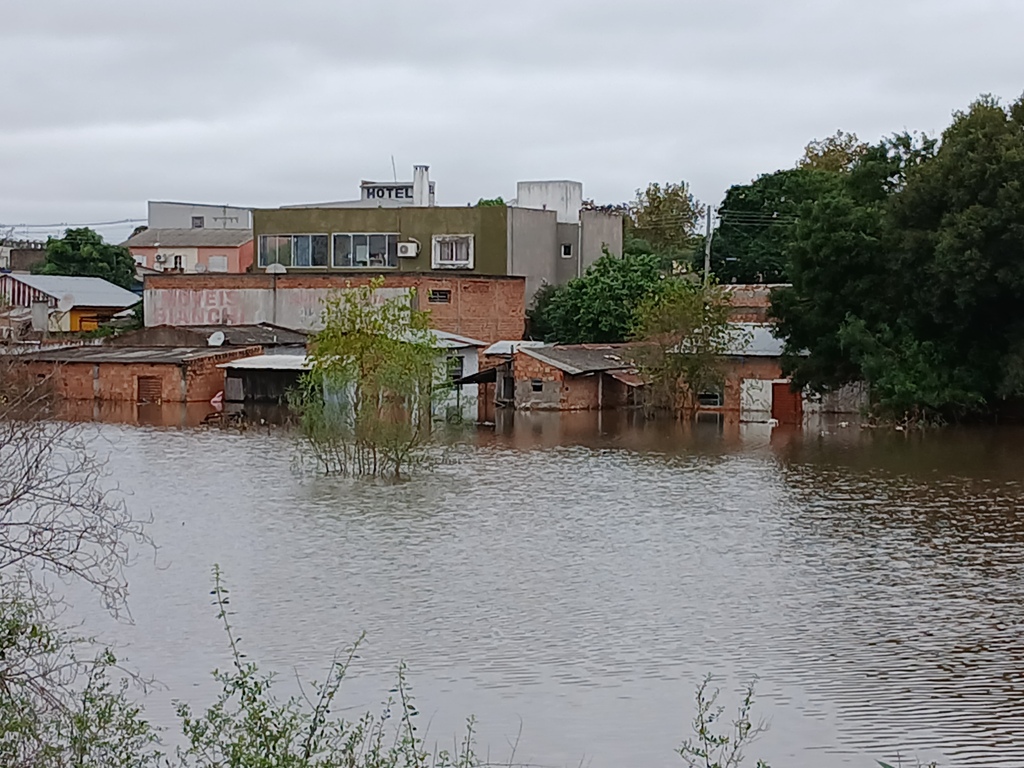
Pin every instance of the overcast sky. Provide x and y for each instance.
(110, 103)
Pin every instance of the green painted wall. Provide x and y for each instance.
(488, 225)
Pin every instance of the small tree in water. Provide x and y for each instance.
(683, 334)
(366, 405)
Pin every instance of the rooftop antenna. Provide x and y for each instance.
(216, 339)
(394, 170)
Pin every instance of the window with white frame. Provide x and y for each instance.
(365, 249)
(294, 250)
(452, 252)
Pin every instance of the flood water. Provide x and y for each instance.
(574, 578)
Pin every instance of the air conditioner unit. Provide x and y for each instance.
(161, 258)
(408, 250)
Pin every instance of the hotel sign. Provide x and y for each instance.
(377, 190)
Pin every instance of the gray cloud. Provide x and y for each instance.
(110, 103)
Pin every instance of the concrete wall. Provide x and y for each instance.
(568, 268)
(533, 248)
(599, 230)
(565, 198)
(488, 225)
(166, 215)
(484, 308)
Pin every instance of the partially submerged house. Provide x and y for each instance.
(136, 374)
(578, 377)
(63, 304)
(270, 377)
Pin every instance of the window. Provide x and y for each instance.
(275, 249)
(455, 367)
(537, 385)
(309, 250)
(710, 399)
(148, 389)
(365, 250)
(439, 297)
(453, 252)
(566, 250)
(178, 261)
(217, 263)
(198, 222)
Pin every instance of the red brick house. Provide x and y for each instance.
(136, 374)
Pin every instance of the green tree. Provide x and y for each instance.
(758, 220)
(666, 217)
(836, 154)
(599, 306)
(841, 266)
(682, 333)
(909, 276)
(494, 202)
(368, 402)
(83, 253)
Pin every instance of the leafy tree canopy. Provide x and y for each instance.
(601, 306)
(666, 217)
(836, 154)
(494, 202)
(83, 253)
(758, 219)
(909, 274)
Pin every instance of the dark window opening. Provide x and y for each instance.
(456, 365)
(439, 297)
(566, 250)
(538, 385)
(710, 399)
(198, 222)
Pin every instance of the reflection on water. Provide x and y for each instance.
(581, 572)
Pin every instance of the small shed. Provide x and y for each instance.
(71, 303)
(136, 374)
(263, 378)
(575, 377)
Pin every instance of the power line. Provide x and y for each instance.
(66, 225)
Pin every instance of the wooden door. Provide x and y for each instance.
(787, 404)
(149, 389)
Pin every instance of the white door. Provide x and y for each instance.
(755, 400)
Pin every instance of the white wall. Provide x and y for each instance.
(565, 198)
(163, 215)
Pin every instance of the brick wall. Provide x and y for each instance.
(203, 379)
(737, 369)
(485, 308)
(560, 392)
(195, 381)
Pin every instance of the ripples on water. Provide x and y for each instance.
(581, 581)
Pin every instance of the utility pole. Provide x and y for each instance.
(707, 251)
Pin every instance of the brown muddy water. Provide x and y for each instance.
(573, 577)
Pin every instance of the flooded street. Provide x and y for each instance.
(576, 579)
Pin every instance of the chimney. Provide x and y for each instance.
(421, 186)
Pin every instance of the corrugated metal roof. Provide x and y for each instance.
(190, 238)
(270, 363)
(509, 347)
(447, 340)
(756, 340)
(86, 291)
(104, 354)
(581, 358)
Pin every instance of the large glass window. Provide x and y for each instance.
(293, 250)
(365, 250)
(309, 250)
(275, 249)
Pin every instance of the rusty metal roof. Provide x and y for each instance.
(125, 355)
(576, 359)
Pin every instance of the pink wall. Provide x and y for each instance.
(239, 258)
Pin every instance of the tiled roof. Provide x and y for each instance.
(190, 238)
